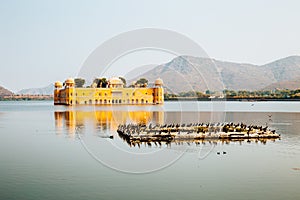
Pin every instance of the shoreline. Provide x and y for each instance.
(25, 97)
(233, 99)
(47, 98)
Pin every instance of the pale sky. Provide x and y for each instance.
(44, 41)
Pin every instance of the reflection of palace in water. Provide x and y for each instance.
(106, 119)
(68, 121)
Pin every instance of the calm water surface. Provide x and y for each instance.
(58, 152)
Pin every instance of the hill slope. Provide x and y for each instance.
(42, 91)
(292, 85)
(5, 92)
(186, 73)
(285, 69)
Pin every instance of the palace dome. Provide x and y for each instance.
(70, 81)
(58, 84)
(115, 81)
(158, 82)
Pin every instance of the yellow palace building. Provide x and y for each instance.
(114, 93)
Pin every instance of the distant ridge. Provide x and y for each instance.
(34, 91)
(5, 92)
(185, 73)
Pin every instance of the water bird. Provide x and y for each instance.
(270, 118)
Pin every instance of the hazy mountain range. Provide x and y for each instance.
(44, 90)
(185, 73)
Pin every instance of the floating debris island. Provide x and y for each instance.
(136, 133)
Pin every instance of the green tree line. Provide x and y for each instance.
(240, 94)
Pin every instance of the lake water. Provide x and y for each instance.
(60, 152)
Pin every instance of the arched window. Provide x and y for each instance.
(142, 101)
(120, 101)
(90, 101)
(136, 101)
(113, 101)
(105, 101)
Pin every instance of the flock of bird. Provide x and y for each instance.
(191, 127)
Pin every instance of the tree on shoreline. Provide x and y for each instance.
(79, 82)
(142, 82)
(123, 80)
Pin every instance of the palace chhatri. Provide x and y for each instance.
(114, 93)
